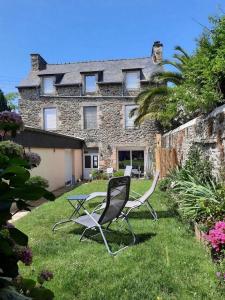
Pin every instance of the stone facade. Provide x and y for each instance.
(109, 135)
(110, 98)
(207, 132)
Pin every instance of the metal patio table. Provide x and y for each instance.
(77, 202)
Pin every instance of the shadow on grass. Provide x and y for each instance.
(114, 236)
(146, 214)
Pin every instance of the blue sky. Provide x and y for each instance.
(75, 30)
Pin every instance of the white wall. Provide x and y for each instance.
(53, 165)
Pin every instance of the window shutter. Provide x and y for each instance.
(129, 121)
(50, 118)
(90, 117)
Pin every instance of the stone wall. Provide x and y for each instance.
(111, 132)
(207, 132)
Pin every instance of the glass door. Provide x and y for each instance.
(134, 158)
(90, 163)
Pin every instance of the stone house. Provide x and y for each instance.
(92, 100)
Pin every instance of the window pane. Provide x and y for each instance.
(48, 85)
(90, 84)
(90, 117)
(129, 121)
(95, 161)
(138, 160)
(124, 159)
(132, 80)
(87, 161)
(50, 118)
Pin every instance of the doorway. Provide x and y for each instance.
(90, 164)
(134, 158)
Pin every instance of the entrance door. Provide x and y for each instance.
(90, 164)
(68, 166)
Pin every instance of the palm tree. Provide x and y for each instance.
(152, 101)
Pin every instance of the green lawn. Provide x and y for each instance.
(166, 263)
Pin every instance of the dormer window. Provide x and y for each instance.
(90, 83)
(132, 80)
(48, 85)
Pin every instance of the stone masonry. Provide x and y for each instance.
(208, 132)
(110, 98)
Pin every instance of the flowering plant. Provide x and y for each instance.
(10, 121)
(216, 236)
(14, 174)
(33, 159)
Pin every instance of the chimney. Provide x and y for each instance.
(157, 52)
(37, 62)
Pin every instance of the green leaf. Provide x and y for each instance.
(18, 236)
(5, 247)
(19, 162)
(4, 187)
(5, 215)
(49, 196)
(27, 284)
(16, 174)
(41, 293)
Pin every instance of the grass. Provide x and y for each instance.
(167, 262)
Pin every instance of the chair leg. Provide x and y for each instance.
(82, 235)
(105, 241)
(152, 211)
(101, 231)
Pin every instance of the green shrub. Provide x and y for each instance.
(200, 201)
(193, 189)
(38, 180)
(118, 173)
(198, 166)
(164, 184)
(99, 175)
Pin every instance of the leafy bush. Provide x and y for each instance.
(164, 184)
(200, 201)
(198, 166)
(39, 181)
(99, 175)
(14, 175)
(118, 173)
(194, 191)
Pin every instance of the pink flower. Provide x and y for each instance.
(216, 236)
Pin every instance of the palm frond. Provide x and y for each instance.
(180, 49)
(180, 58)
(177, 65)
(173, 77)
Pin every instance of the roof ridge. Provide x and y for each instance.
(103, 60)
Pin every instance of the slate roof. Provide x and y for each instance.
(112, 71)
(34, 137)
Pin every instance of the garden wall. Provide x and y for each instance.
(207, 132)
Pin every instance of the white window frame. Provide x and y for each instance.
(43, 85)
(125, 116)
(85, 107)
(44, 119)
(85, 86)
(137, 72)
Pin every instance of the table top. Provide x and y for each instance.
(78, 197)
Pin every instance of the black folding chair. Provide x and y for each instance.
(117, 197)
